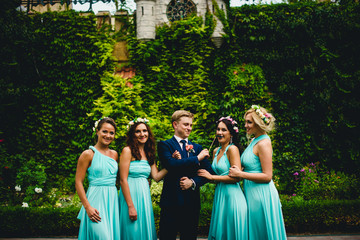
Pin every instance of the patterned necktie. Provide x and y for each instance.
(183, 152)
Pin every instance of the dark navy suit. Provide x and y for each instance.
(180, 208)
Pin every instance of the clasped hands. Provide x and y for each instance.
(235, 172)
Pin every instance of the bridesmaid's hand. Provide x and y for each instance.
(235, 172)
(93, 214)
(132, 214)
(204, 173)
(176, 154)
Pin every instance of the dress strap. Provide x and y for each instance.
(258, 139)
(228, 147)
(217, 152)
(93, 148)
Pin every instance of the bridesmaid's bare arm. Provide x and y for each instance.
(83, 164)
(156, 174)
(124, 166)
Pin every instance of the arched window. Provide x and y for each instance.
(180, 9)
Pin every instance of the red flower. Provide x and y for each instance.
(189, 148)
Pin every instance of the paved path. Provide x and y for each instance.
(291, 237)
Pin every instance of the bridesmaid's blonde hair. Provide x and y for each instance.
(262, 118)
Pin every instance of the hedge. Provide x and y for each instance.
(300, 217)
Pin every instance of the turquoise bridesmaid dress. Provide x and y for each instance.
(229, 212)
(102, 195)
(265, 214)
(144, 227)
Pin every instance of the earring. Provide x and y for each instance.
(231, 140)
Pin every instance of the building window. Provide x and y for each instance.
(142, 11)
(180, 9)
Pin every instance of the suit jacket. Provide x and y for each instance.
(172, 195)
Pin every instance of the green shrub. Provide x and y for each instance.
(121, 100)
(321, 216)
(155, 190)
(312, 182)
(35, 222)
(300, 216)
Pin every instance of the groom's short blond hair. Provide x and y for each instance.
(179, 114)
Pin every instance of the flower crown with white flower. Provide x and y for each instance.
(264, 116)
(137, 120)
(96, 124)
(233, 122)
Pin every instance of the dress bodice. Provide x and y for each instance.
(222, 166)
(139, 169)
(103, 170)
(249, 160)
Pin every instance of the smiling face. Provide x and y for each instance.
(106, 134)
(183, 127)
(223, 134)
(251, 127)
(141, 133)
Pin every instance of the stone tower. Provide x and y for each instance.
(145, 19)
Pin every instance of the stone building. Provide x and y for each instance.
(152, 13)
(149, 14)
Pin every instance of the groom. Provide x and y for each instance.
(180, 198)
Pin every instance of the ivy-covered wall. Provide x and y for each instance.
(301, 61)
(310, 58)
(51, 65)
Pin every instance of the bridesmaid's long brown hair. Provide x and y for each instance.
(150, 145)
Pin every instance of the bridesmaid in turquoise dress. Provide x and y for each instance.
(137, 163)
(99, 214)
(229, 213)
(265, 214)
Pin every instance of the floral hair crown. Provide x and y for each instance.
(265, 117)
(137, 120)
(96, 124)
(233, 122)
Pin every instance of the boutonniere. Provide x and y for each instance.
(190, 148)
